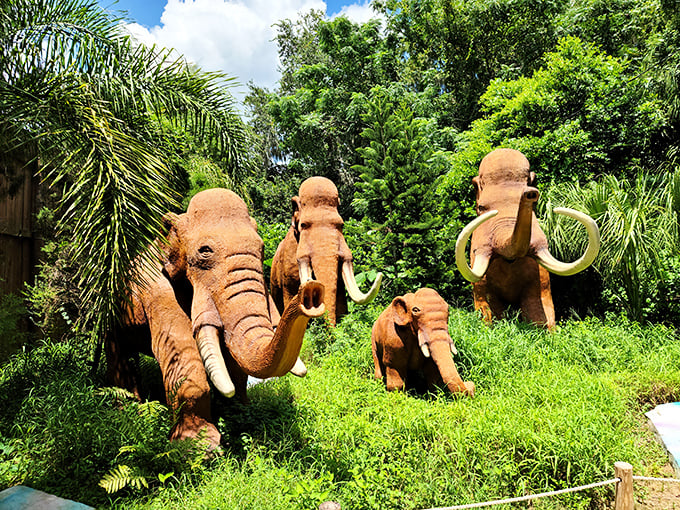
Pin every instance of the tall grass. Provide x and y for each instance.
(552, 411)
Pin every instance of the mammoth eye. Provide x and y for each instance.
(416, 309)
(304, 225)
(205, 250)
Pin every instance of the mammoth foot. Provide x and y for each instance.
(193, 427)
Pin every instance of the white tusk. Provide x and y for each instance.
(351, 285)
(426, 350)
(299, 369)
(545, 258)
(481, 264)
(305, 269)
(208, 343)
(453, 348)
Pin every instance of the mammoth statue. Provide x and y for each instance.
(203, 308)
(412, 333)
(314, 245)
(509, 251)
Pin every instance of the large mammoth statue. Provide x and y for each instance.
(412, 333)
(203, 309)
(314, 245)
(509, 251)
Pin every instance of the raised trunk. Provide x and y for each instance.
(440, 350)
(517, 245)
(262, 352)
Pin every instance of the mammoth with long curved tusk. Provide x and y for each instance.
(509, 252)
(203, 311)
(314, 245)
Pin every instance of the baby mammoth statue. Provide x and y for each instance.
(412, 333)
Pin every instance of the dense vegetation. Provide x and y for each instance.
(552, 411)
(398, 113)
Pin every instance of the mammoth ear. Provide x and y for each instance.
(532, 179)
(478, 187)
(175, 259)
(295, 222)
(400, 311)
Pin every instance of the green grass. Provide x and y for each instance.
(551, 411)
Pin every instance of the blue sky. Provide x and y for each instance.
(232, 36)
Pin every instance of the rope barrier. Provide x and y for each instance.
(652, 479)
(530, 496)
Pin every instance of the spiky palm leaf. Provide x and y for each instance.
(76, 92)
(638, 225)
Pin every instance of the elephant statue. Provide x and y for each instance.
(314, 245)
(203, 311)
(412, 333)
(509, 252)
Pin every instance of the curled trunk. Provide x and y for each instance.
(262, 352)
(517, 245)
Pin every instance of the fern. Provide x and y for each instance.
(122, 476)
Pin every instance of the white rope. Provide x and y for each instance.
(529, 497)
(652, 479)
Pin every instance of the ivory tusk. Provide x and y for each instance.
(545, 258)
(481, 264)
(426, 350)
(351, 285)
(208, 342)
(305, 269)
(299, 369)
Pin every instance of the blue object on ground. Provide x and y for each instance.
(666, 421)
(21, 497)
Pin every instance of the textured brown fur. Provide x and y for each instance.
(398, 334)
(209, 274)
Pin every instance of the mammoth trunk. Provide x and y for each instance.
(440, 351)
(262, 352)
(327, 271)
(517, 244)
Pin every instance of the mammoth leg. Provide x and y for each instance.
(537, 304)
(184, 376)
(432, 376)
(379, 366)
(487, 302)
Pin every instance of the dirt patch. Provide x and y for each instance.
(658, 495)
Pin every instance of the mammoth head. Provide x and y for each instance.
(505, 192)
(322, 250)
(426, 314)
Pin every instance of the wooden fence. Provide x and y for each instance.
(19, 244)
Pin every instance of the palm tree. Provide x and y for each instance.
(638, 223)
(81, 97)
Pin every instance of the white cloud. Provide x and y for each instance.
(359, 13)
(233, 36)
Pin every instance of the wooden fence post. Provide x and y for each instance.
(624, 488)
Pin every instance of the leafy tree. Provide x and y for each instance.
(578, 116)
(458, 47)
(395, 193)
(325, 64)
(638, 222)
(80, 95)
